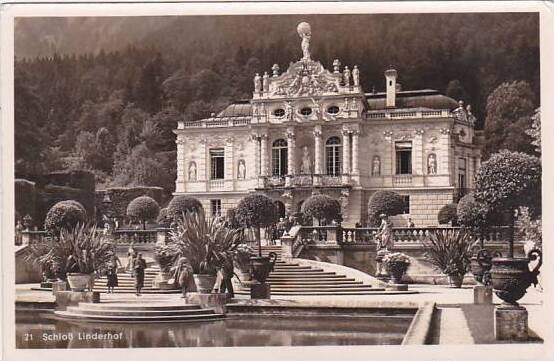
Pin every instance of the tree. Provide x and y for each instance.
(64, 214)
(180, 205)
(509, 110)
(535, 131)
(448, 214)
(507, 181)
(472, 214)
(456, 91)
(255, 211)
(321, 206)
(143, 208)
(384, 202)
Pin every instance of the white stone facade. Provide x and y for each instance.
(420, 144)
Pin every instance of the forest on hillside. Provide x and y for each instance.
(107, 100)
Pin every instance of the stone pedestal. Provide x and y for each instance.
(46, 284)
(260, 291)
(511, 323)
(59, 286)
(482, 295)
(217, 301)
(396, 287)
(72, 298)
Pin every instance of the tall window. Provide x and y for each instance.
(333, 156)
(217, 162)
(462, 173)
(216, 207)
(403, 157)
(279, 156)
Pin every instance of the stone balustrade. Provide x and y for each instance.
(415, 114)
(215, 123)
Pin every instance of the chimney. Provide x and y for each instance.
(390, 76)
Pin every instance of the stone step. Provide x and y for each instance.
(319, 287)
(303, 276)
(133, 313)
(143, 291)
(315, 282)
(301, 273)
(121, 306)
(126, 318)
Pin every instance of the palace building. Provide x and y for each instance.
(312, 130)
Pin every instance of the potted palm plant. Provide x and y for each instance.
(450, 251)
(206, 244)
(76, 255)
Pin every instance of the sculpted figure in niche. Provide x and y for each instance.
(306, 161)
(192, 171)
(288, 111)
(242, 169)
(376, 167)
(432, 164)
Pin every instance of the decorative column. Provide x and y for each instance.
(181, 164)
(230, 161)
(345, 155)
(443, 163)
(318, 155)
(291, 150)
(420, 161)
(263, 155)
(355, 150)
(254, 139)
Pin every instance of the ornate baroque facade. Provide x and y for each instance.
(310, 130)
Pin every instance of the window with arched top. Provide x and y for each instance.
(279, 157)
(333, 156)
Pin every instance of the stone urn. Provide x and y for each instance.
(481, 264)
(397, 271)
(204, 282)
(456, 280)
(511, 276)
(261, 266)
(80, 281)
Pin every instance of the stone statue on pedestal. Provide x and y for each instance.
(257, 83)
(192, 171)
(305, 32)
(242, 170)
(306, 161)
(376, 168)
(266, 82)
(346, 75)
(356, 75)
(432, 164)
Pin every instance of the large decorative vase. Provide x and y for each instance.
(397, 271)
(80, 281)
(260, 267)
(511, 276)
(481, 264)
(455, 280)
(204, 283)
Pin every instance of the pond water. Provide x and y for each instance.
(44, 331)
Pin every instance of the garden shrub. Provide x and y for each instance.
(472, 214)
(182, 204)
(448, 213)
(322, 207)
(64, 214)
(383, 202)
(143, 208)
(122, 196)
(256, 210)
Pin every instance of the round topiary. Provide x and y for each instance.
(448, 213)
(508, 180)
(143, 208)
(322, 207)
(470, 213)
(384, 202)
(257, 210)
(182, 204)
(64, 214)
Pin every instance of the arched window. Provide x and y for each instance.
(333, 156)
(279, 156)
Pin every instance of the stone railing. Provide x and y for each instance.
(415, 114)
(29, 236)
(138, 236)
(215, 123)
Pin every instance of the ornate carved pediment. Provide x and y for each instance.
(304, 78)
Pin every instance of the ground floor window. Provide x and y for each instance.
(216, 207)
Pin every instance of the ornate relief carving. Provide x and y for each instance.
(304, 78)
(420, 131)
(388, 133)
(444, 131)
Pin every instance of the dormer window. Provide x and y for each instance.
(333, 110)
(279, 112)
(306, 111)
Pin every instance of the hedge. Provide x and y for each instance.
(383, 202)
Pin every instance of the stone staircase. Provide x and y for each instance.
(127, 282)
(294, 279)
(141, 310)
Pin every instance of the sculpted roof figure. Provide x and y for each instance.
(305, 32)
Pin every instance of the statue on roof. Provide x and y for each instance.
(305, 32)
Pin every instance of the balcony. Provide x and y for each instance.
(402, 180)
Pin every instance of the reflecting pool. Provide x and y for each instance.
(36, 330)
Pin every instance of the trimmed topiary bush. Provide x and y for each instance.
(64, 214)
(507, 181)
(322, 207)
(448, 213)
(144, 209)
(471, 214)
(255, 211)
(182, 204)
(383, 202)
